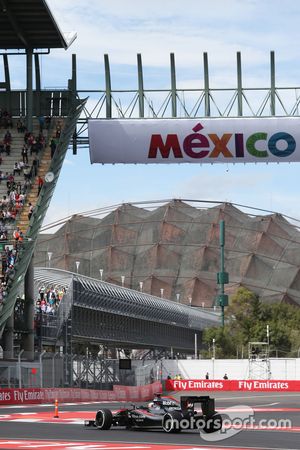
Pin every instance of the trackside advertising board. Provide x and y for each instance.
(15, 396)
(234, 385)
(165, 141)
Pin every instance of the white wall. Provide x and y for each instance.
(281, 368)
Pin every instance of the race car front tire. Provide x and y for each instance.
(171, 422)
(104, 419)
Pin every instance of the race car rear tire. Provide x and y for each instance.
(171, 422)
(213, 424)
(104, 419)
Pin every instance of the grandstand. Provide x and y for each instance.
(32, 30)
(104, 313)
(173, 247)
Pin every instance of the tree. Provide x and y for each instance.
(224, 345)
(246, 320)
(243, 313)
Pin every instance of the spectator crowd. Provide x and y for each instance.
(17, 183)
(49, 299)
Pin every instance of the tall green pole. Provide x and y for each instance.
(222, 245)
(222, 276)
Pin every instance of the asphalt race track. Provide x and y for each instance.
(18, 425)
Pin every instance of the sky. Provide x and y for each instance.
(123, 28)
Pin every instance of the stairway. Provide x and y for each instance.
(7, 166)
(32, 195)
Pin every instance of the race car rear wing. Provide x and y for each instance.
(187, 404)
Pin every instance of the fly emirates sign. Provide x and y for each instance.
(233, 385)
(165, 141)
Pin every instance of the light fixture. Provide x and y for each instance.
(49, 257)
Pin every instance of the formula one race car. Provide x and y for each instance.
(163, 413)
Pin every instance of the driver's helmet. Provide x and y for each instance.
(158, 402)
(155, 404)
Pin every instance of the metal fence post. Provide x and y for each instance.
(20, 368)
(53, 368)
(72, 369)
(41, 368)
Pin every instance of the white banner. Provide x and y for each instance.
(165, 141)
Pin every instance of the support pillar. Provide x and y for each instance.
(7, 84)
(140, 86)
(73, 93)
(273, 89)
(8, 339)
(28, 341)
(107, 88)
(206, 85)
(173, 86)
(29, 93)
(38, 104)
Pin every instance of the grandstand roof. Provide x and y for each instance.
(174, 248)
(30, 25)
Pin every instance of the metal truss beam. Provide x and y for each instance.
(189, 103)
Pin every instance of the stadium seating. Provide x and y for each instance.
(31, 195)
